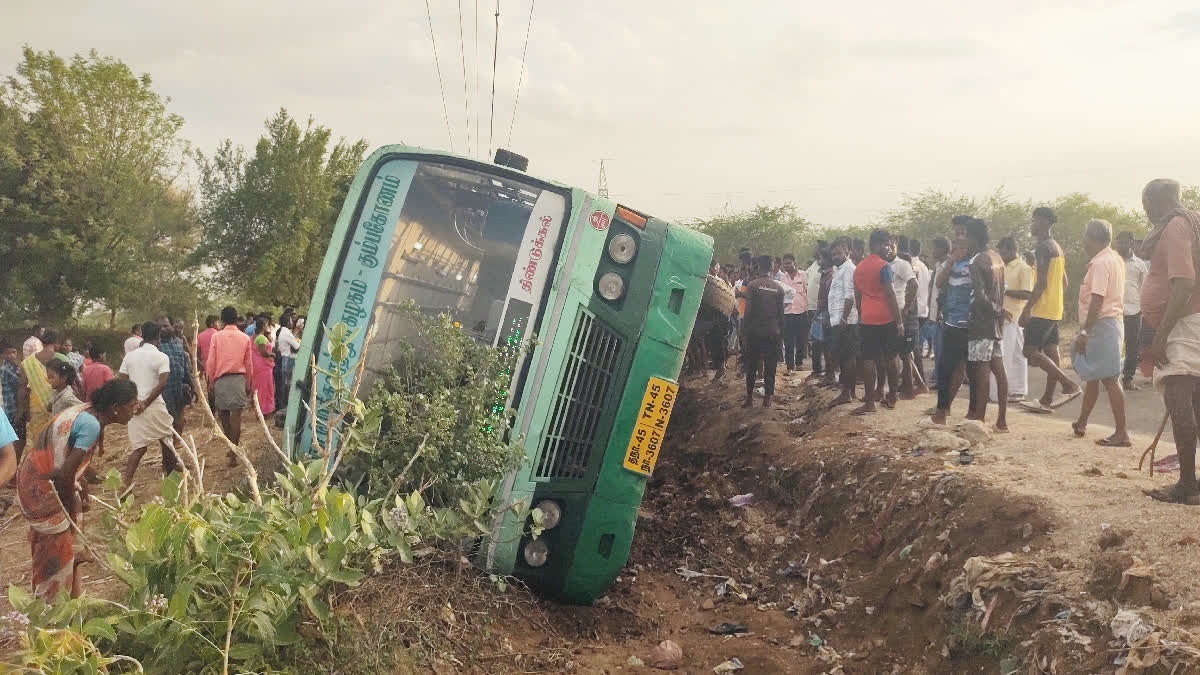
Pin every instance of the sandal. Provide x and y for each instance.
(1168, 495)
(1036, 407)
(1112, 442)
(1167, 464)
(1066, 398)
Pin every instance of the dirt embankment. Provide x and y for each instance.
(866, 549)
(863, 549)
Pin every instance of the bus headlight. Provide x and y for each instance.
(611, 286)
(621, 248)
(536, 553)
(551, 513)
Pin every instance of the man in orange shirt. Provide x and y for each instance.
(1096, 352)
(229, 367)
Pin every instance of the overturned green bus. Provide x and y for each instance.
(610, 293)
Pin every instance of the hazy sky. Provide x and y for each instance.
(839, 108)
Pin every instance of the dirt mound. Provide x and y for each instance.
(796, 540)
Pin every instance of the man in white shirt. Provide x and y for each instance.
(941, 257)
(149, 369)
(843, 319)
(286, 346)
(906, 287)
(924, 281)
(135, 338)
(1136, 272)
(812, 277)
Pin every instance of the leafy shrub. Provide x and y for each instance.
(447, 393)
(215, 581)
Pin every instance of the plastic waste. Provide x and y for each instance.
(666, 656)
(728, 629)
(732, 665)
(741, 500)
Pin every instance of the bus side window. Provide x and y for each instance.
(675, 303)
(606, 544)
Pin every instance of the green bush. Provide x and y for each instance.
(218, 582)
(446, 392)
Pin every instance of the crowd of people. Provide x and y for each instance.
(57, 402)
(870, 313)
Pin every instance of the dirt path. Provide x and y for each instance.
(14, 542)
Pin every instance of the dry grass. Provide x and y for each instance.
(441, 613)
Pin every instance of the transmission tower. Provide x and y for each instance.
(602, 186)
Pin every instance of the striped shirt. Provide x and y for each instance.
(181, 368)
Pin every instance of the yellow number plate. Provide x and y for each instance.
(651, 426)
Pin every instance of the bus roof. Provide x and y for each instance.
(400, 148)
(427, 152)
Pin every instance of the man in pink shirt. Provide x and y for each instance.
(230, 369)
(795, 313)
(1096, 352)
(1171, 309)
(203, 340)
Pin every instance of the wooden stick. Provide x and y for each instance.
(267, 430)
(1154, 444)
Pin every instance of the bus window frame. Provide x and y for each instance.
(305, 385)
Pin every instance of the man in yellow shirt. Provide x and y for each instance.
(1018, 286)
(1043, 312)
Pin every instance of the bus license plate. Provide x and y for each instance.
(651, 426)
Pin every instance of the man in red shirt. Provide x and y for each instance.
(229, 369)
(879, 320)
(1171, 307)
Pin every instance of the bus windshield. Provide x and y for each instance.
(468, 244)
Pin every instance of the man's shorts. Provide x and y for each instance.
(229, 392)
(984, 350)
(845, 342)
(1041, 333)
(878, 341)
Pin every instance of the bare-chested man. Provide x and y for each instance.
(1171, 307)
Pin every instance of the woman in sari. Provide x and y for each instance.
(50, 481)
(264, 366)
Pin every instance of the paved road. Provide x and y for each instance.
(1144, 409)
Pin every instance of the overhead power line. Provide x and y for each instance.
(462, 52)
(495, 53)
(437, 64)
(521, 77)
(477, 74)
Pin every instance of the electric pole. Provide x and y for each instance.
(602, 186)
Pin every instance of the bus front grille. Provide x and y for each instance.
(574, 422)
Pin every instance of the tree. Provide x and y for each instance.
(927, 215)
(88, 157)
(772, 230)
(267, 219)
